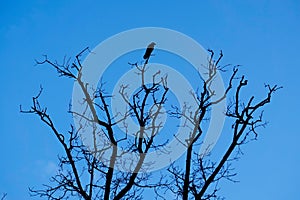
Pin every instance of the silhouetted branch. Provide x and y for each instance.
(3, 196)
(69, 180)
(199, 171)
(244, 118)
(90, 172)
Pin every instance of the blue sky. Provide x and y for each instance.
(263, 36)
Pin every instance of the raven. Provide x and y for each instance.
(149, 50)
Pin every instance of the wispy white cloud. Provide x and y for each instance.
(46, 168)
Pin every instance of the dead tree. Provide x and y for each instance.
(82, 172)
(198, 178)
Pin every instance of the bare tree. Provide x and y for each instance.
(87, 173)
(199, 171)
(83, 172)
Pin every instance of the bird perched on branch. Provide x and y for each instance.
(149, 51)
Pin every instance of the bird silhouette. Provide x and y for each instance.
(149, 51)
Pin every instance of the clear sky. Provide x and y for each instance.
(261, 35)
